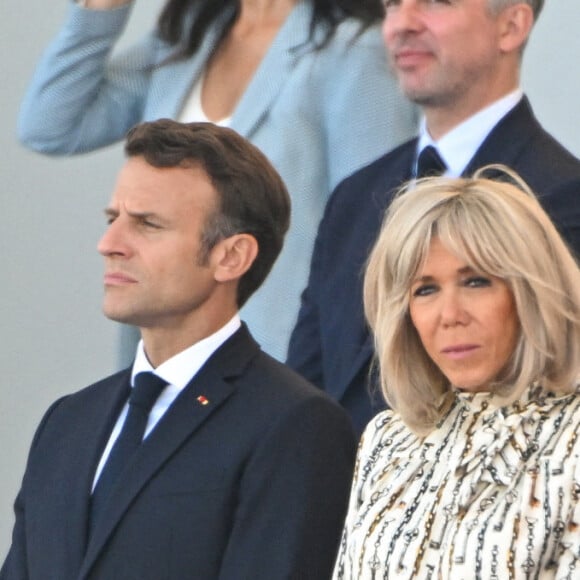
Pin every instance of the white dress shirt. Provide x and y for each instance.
(177, 371)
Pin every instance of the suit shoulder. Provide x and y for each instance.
(520, 141)
(368, 190)
(95, 393)
(285, 402)
(550, 153)
(277, 382)
(391, 169)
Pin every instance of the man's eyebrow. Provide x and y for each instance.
(111, 213)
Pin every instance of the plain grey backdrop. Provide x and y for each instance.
(53, 337)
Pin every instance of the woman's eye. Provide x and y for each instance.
(424, 290)
(478, 282)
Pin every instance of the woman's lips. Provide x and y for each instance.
(459, 351)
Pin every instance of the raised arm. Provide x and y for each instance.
(81, 99)
(103, 4)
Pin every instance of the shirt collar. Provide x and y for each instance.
(181, 368)
(458, 146)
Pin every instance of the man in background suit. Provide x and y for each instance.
(242, 469)
(460, 61)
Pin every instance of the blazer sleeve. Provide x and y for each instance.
(305, 352)
(15, 566)
(79, 98)
(294, 489)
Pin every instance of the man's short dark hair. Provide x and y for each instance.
(252, 196)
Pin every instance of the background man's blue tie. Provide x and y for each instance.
(429, 163)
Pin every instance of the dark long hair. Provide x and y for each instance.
(175, 13)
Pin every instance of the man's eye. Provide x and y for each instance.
(150, 224)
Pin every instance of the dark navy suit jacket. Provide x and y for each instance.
(252, 485)
(331, 345)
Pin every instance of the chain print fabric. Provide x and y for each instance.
(493, 493)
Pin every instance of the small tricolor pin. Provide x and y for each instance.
(202, 400)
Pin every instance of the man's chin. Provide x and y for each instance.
(119, 315)
(422, 97)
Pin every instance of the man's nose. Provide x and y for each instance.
(114, 241)
(405, 16)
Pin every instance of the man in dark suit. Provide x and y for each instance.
(235, 468)
(460, 61)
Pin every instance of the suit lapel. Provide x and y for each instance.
(274, 70)
(89, 441)
(507, 140)
(186, 72)
(69, 473)
(195, 405)
(266, 84)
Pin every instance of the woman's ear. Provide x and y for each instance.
(234, 256)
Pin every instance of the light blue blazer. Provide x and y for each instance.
(318, 115)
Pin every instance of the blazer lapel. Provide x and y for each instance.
(95, 432)
(78, 456)
(185, 73)
(274, 70)
(266, 83)
(195, 405)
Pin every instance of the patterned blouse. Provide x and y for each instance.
(492, 493)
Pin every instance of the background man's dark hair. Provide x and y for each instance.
(252, 196)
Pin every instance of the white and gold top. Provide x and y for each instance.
(492, 493)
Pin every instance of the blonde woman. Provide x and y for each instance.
(474, 300)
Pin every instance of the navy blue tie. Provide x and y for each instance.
(429, 163)
(145, 392)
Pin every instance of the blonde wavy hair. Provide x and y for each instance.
(499, 229)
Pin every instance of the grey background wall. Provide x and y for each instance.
(53, 338)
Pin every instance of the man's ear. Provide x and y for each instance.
(234, 256)
(516, 23)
